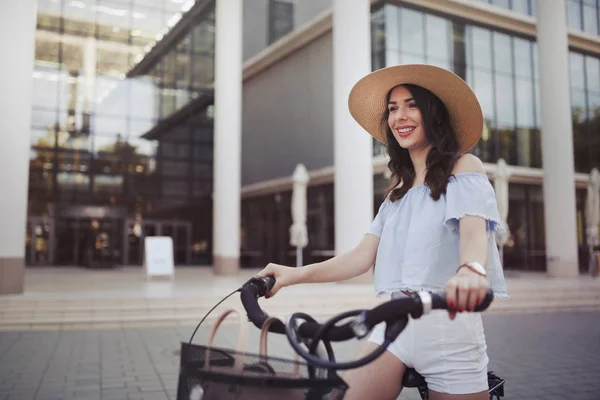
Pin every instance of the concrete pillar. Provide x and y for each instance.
(227, 136)
(353, 147)
(18, 20)
(557, 139)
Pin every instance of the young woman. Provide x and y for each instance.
(434, 231)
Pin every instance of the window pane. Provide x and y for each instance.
(592, 73)
(521, 6)
(484, 90)
(438, 38)
(505, 103)
(523, 57)
(501, 3)
(411, 32)
(574, 14)
(580, 137)
(590, 20)
(525, 117)
(143, 98)
(577, 75)
(482, 49)
(502, 53)
(43, 118)
(109, 125)
(45, 88)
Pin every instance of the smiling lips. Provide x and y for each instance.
(405, 131)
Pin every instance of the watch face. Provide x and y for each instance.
(477, 267)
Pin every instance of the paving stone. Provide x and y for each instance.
(545, 356)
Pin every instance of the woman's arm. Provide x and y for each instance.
(344, 266)
(468, 288)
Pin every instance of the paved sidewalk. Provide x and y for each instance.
(547, 356)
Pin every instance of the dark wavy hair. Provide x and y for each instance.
(442, 156)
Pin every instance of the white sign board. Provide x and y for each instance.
(158, 256)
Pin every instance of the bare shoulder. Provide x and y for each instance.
(468, 163)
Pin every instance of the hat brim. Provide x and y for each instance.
(367, 100)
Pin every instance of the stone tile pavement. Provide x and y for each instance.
(546, 355)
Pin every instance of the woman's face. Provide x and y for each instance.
(405, 120)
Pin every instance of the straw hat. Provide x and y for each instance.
(367, 99)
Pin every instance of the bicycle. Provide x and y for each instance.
(317, 338)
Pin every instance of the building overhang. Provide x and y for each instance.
(205, 99)
(322, 176)
(468, 11)
(171, 38)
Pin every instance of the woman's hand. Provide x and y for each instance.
(465, 290)
(284, 276)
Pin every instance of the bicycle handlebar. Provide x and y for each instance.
(390, 312)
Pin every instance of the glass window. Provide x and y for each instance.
(481, 40)
(47, 51)
(580, 135)
(523, 57)
(484, 89)
(202, 72)
(574, 14)
(43, 118)
(48, 16)
(149, 28)
(502, 53)
(590, 19)
(43, 138)
(578, 104)
(593, 107)
(439, 36)
(281, 19)
(501, 3)
(109, 125)
(505, 101)
(143, 96)
(459, 50)
(576, 70)
(45, 88)
(411, 32)
(521, 6)
(536, 72)
(525, 104)
(592, 74)
(203, 38)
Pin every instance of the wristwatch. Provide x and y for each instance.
(475, 267)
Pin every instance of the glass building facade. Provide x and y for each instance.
(121, 130)
(502, 69)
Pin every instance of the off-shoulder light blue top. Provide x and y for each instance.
(419, 237)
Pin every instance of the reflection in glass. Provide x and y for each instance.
(439, 34)
(590, 19)
(502, 53)
(411, 33)
(481, 40)
(577, 70)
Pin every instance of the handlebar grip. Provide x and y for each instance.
(269, 282)
(439, 302)
(487, 300)
(263, 284)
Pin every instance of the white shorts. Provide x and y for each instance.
(451, 355)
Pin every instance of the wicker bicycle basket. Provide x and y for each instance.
(213, 373)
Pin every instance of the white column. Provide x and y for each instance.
(353, 147)
(18, 20)
(227, 136)
(557, 139)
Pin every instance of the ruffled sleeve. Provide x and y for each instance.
(376, 227)
(471, 194)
